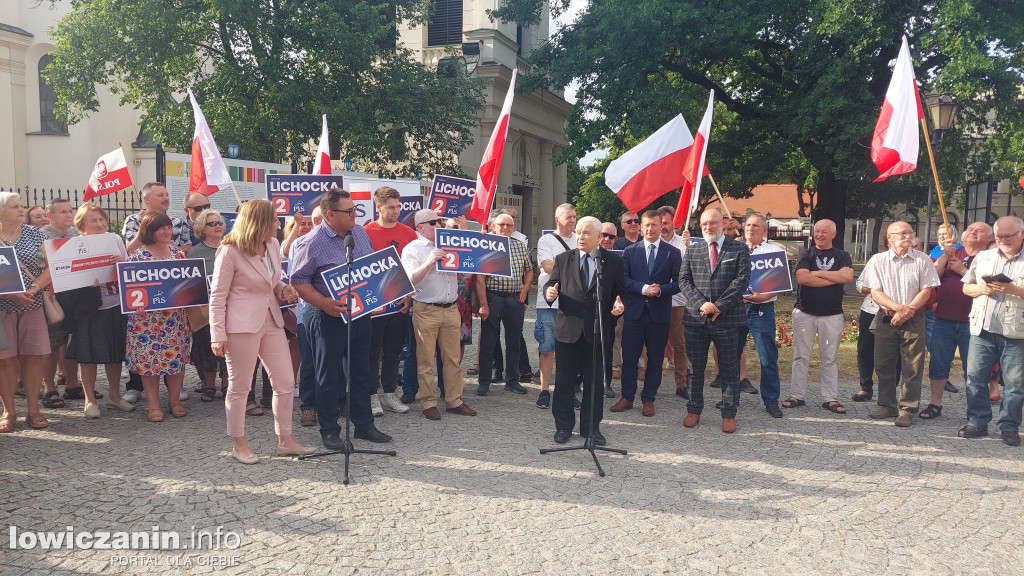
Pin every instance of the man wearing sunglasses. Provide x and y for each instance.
(195, 203)
(630, 231)
(324, 249)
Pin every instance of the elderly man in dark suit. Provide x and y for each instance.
(715, 274)
(574, 278)
(651, 269)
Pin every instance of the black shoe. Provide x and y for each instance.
(597, 436)
(482, 390)
(499, 376)
(515, 387)
(747, 387)
(719, 404)
(773, 409)
(608, 392)
(862, 396)
(950, 388)
(683, 393)
(576, 405)
(562, 436)
(717, 382)
(408, 398)
(1011, 438)
(969, 431)
(373, 435)
(526, 378)
(333, 442)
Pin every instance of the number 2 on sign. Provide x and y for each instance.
(137, 298)
(439, 205)
(281, 205)
(450, 261)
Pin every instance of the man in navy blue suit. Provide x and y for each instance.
(652, 277)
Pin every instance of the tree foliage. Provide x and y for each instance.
(799, 85)
(264, 71)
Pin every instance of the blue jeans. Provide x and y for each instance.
(986, 350)
(410, 380)
(929, 329)
(761, 327)
(544, 330)
(946, 337)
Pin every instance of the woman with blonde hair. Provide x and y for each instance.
(247, 280)
(209, 228)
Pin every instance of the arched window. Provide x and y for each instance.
(48, 121)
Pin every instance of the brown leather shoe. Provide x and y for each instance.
(728, 425)
(648, 409)
(691, 420)
(432, 414)
(622, 404)
(463, 410)
(616, 373)
(904, 420)
(883, 413)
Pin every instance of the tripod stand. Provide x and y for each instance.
(596, 390)
(346, 447)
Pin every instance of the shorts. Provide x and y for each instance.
(544, 330)
(27, 334)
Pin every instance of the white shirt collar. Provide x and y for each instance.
(656, 244)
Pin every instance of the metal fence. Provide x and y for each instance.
(118, 205)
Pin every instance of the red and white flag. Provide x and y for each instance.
(896, 141)
(208, 173)
(694, 170)
(1022, 181)
(109, 175)
(487, 176)
(652, 167)
(322, 164)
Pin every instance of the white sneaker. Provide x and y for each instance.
(183, 395)
(392, 404)
(375, 406)
(131, 396)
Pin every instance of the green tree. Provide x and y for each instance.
(264, 71)
(804, 77)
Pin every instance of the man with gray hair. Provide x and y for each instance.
(996, 282)
(901, 280)
(515, 221)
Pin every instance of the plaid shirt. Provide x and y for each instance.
(182, 231)
(520, 265)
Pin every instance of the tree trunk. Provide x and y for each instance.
(876, 233)
(831, 203)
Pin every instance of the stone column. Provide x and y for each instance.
(546, 199)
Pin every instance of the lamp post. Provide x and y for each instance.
(941, 112)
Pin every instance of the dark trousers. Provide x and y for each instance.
(510, 312)
(329, 339)
(389, 334)
(866, 353)
(524, 357)
(570, 360)
(410, 380)
(635, 335)
(609, 344)
(698, 340)
(307, 372)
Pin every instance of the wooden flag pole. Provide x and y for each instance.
(237, 197)
(935, 174)
(720, 199)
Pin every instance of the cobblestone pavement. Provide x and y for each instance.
(814, 493)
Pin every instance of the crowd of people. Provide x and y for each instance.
(651, 295)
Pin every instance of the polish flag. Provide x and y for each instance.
(487, 176)
(322, 164)
(895, 143)
(109, 175)
(695, 165)
(1022, 181)
(208, 173)
(652, 167)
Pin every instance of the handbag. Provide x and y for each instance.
(198, 317)
(51, 308)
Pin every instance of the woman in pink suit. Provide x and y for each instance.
(245, 321)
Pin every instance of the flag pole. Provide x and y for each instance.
(235, 190)
(720, 199)
(935, 174)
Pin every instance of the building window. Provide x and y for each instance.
(445, 26)
(519, 41)
(48, 121)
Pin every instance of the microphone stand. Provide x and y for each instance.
(346, 447)
(596, 392)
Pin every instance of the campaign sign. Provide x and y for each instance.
(161, 284)
(769, 273)
(302, 192)
(11, 281)
(392, 308)
(451, 197)
(473, 252)
(410, 205)
(82, 261)
(378, 279)
(361, 191)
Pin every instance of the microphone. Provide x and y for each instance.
(596, 255)
(350, 245)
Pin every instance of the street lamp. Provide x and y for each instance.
(941, 113)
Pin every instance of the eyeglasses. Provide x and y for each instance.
(608, 236)
(350, 211)
(217, 223)
(199, 208)
(431, 222)
(506, 225)
(710, 224)
(633, 221)
(1007, 236)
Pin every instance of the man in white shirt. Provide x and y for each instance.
(549, 246)
(676, 336)
(761, 322)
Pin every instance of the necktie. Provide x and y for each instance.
(714, 255)
(585, 271)
(650, 260)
